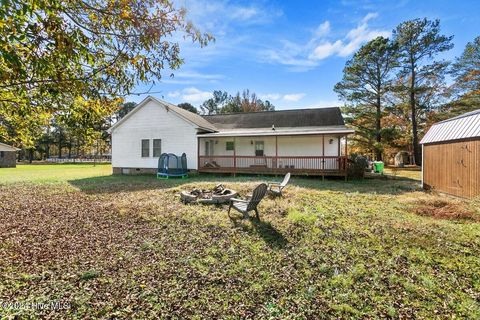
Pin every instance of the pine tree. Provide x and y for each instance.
(367, 78)
(419, 41)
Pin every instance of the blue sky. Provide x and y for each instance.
(293, 52)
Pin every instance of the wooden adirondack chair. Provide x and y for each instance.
(245, 206)
(276, 188)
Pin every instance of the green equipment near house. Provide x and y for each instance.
(378, 166)
(170, 165)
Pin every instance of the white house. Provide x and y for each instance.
(305, 141)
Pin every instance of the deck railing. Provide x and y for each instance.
(320, 165)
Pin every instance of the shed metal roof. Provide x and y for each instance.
(464, 126)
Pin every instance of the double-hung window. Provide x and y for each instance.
(145, 148)
(157, 147)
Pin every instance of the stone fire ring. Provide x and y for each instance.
(187, 197)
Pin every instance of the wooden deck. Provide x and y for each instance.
(305, 165)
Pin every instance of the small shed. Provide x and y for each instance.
(451, 156)
(8, 156)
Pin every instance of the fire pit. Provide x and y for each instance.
(217, 195)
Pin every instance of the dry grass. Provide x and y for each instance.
(445, 209)
(442, 206)
(125, 247)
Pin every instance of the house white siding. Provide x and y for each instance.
(307, 146)
(288, 146)
(153, 121)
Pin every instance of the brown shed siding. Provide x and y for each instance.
(8, 159)
(453, 167)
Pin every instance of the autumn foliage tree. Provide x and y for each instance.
(246, 101)
(57, 57)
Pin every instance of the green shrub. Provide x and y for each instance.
(357, 164)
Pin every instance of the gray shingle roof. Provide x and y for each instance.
(464, 126)
(285, 118)
(190, 116)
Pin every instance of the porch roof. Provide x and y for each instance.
(284, 131)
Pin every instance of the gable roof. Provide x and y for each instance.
(464, 126)
(6, 147)
(319, 117)
(188, 116)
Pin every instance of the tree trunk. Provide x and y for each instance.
(77, 146)
(378, 136)
(70, 148)
(59, 146)
(30, 155)
(416, 147)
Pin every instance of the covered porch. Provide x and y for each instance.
(275, 153)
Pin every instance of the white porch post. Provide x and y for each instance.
(346, 157)
(276, 153)
(198, 154)
(323, 157)
(234, 155)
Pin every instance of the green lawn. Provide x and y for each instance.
(36, 173)
(125, 247)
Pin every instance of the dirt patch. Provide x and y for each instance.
(444, 209)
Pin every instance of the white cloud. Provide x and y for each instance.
(197, 75)
(191, 95)
(328, 103)
(217, 15)
(270, 96)
(293, 97)
(174, 94)
(192, 77)
(286, 57)
(226, 21)
(243, 13)
(289, 97)
(323, 29)
(325, 50)
(319, 47)
(356, 37)
(352, 41)
(369, 16)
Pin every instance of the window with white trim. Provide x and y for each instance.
(157, 147)
(145, 148)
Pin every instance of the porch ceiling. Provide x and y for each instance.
(279, 132)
